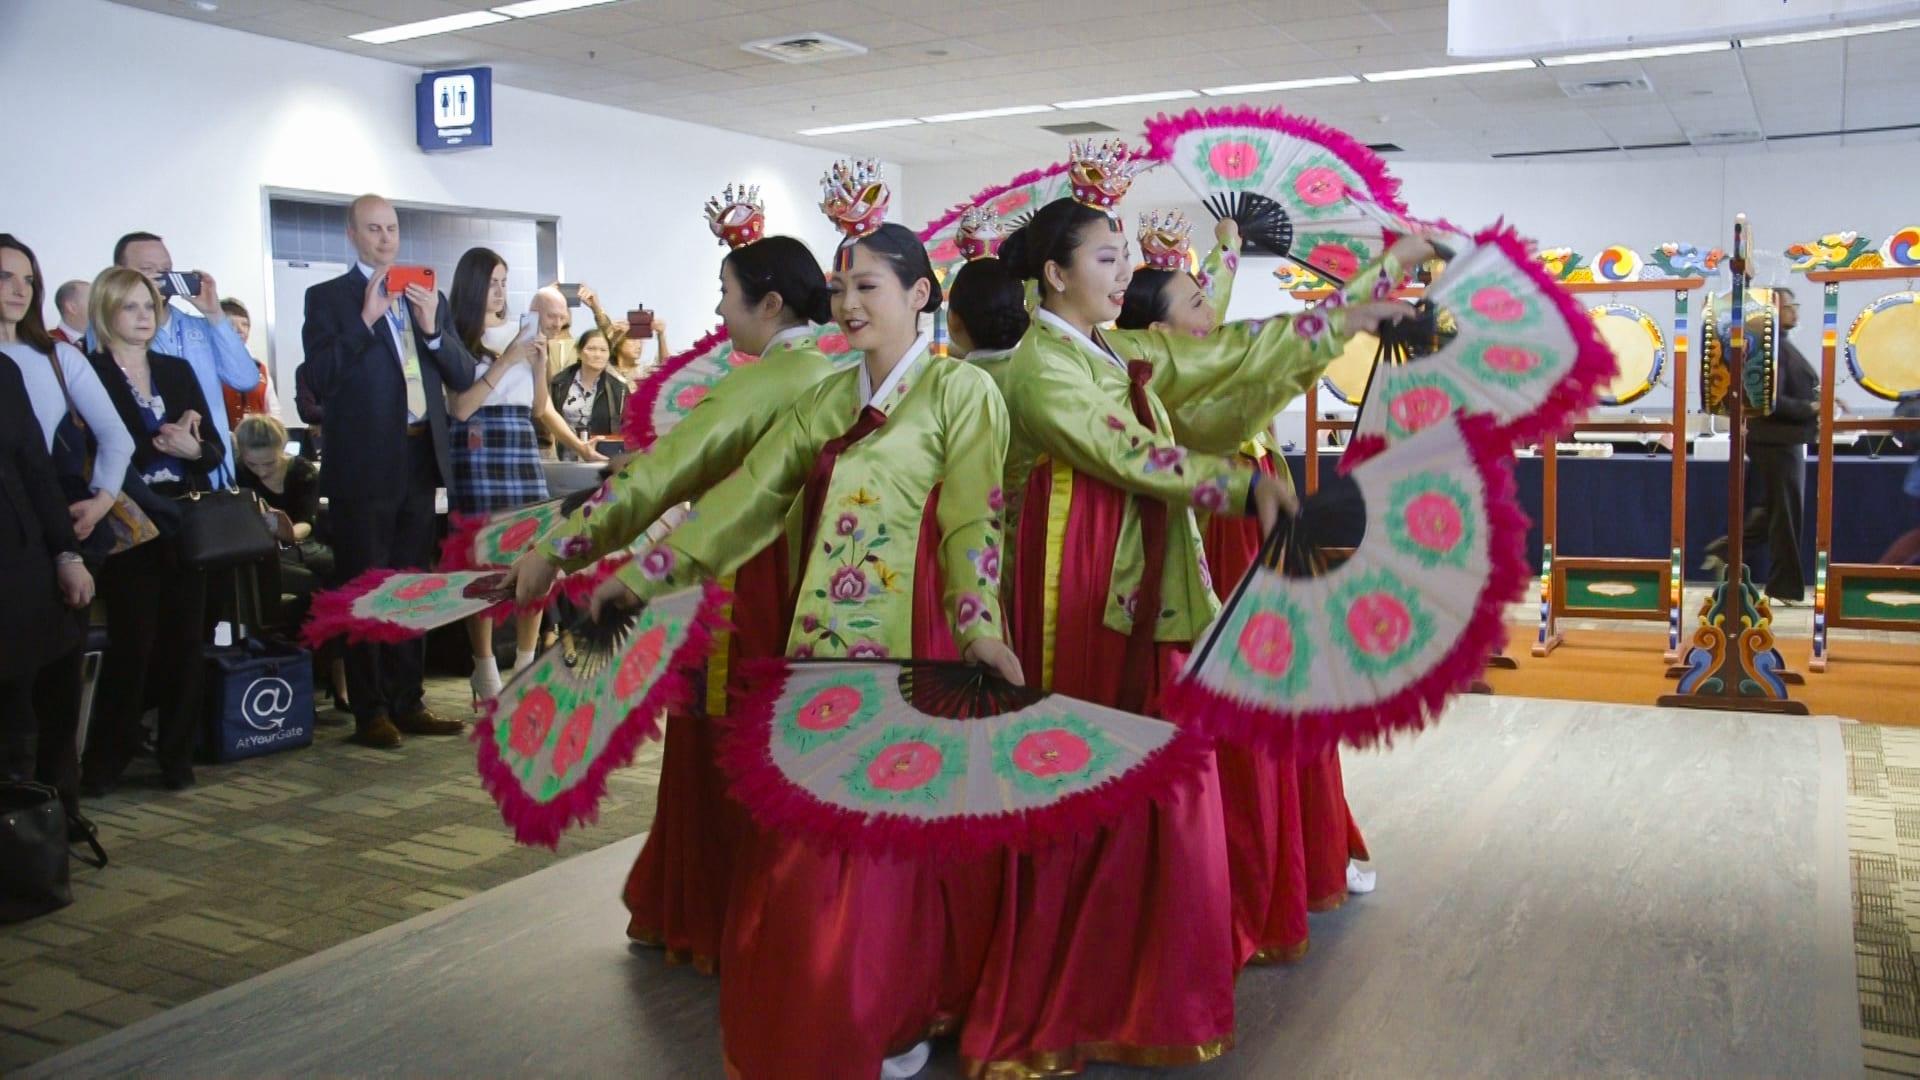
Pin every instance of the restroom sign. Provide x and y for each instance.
(453, 110)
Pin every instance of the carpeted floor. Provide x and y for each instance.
(265, 862)
(1872, 677)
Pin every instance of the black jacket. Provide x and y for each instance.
(1795, 419)
(354, 372)
(174, 381)
(33, 527)
(609, 405)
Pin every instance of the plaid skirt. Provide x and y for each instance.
(496, 461)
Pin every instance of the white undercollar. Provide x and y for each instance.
(791, 333)
(914, 352)
(988, 354)
(1078, 338)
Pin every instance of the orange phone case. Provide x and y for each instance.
(399, 277)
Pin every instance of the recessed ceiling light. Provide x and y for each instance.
(1283, 84)
(867, 125)
(527, 9)
(1637, 54)
(1827, 35)
(985, 114)
(1126, 99)
(446, 24)
(206, 5)
(1451, 69)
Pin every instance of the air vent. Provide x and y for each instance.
(1385, 148)
(1616, 87)
(1084, 127)
(1733, 137)
(808, 48)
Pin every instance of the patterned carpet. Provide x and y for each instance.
(263, 863)
(272, 860)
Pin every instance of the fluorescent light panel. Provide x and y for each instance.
(1283, 84)
(1451, 69)
(868, 125)
(527, 9)
(446, 24)
(1637, 54)
(1127, 99)
(1828, 35)
(986, 114)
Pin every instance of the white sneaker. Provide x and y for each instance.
(901, 1066)
(1359, 882)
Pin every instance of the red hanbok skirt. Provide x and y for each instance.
(832, 962)
(1289, 831)
(1118, 946)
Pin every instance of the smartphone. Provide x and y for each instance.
(174, 284)
(570, 292)
(640, 323)
(529, 327)
(399, 277)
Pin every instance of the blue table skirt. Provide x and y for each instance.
(1618, 507)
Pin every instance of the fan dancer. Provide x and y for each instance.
(833, 960)
(772, 295)
(987, 315)
(495, 451)
(1107, 533)
(1291, 838)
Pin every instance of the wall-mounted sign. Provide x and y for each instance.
(453, 110)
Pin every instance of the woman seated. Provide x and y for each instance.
(290, 487)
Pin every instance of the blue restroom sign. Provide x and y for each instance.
(453, 110)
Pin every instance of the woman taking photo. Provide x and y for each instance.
(154, 599)
(592, 398)
(496, 453)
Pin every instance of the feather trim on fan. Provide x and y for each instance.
(537, 822)
(1594, 365)
(779, 804)
(1307, 732)
(638, 424)
(333, 614)
(985, 196)
(1162, 130)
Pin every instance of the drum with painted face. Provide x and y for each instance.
(1637, 344)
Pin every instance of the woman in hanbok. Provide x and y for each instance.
(833, 961)
(772, 295)
(1291, 838)
(1121, 946)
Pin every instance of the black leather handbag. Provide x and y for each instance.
(224, 528)
(33, 851)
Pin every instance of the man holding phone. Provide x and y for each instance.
(198, 331)
(380, 362)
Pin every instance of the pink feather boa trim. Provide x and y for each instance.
(1382, 186)
(985, 195)
(332, 616)
(637, 424)
(781, 806)
(1209, 712)
(1594, 365)
(456, 551)
(535, 822)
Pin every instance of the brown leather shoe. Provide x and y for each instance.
(422, 721)
(378, 733)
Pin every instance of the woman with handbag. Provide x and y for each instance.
(176, 450)
(90, 450)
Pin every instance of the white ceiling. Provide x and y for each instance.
(681, 59)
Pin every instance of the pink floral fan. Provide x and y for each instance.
(1013, 203)
(1301, 658)
(581, 708)
(1513, 345)
(672, 390)
(939, 761)
(398, 605)
(1285, 180)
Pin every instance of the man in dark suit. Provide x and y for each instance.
(1777, 454)
(381, 368)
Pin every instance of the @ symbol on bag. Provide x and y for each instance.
(266, 703)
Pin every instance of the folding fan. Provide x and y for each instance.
(1285, 180)
(396, 605)
(1300, 658)
(495, 540)
(1523, 351)
(581, 708)
(1013, 203)
(939, 761)
(671, 390)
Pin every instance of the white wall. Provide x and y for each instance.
(132, 120)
